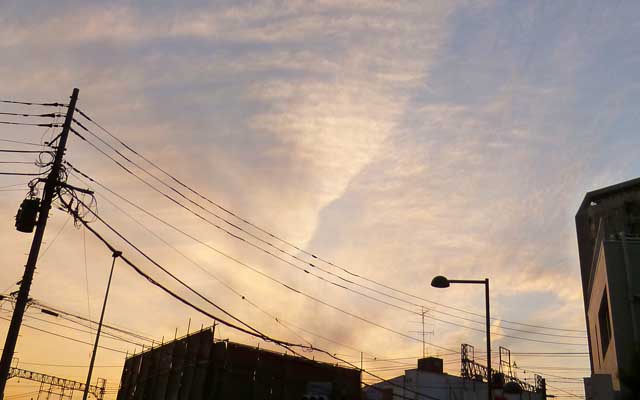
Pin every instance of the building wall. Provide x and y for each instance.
(615, 277)
(196, 368)
(608, 222)
(244, 372)
(437, 386)
(604, 359)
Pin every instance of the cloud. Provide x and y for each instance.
(398, 139)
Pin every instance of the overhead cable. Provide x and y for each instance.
(50, 125)
(21, 151)
(248, 331)
(289, 287)
(306, 263)
(66, 337)
(33, 103)
(20, 142)
(47, 115)
(263, 337)
(312, 255)
(268, 276)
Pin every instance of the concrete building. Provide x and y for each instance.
(429, 382)
(608, 230)
(197, 368)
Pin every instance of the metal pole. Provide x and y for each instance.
(423, 342)
(489, 382)
(29, 269)
(115, 255)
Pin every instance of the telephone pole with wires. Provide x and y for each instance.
(50, 189)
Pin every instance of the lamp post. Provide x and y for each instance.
(115, 255)
(442, 282)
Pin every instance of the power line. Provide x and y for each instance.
(81, 318)
(184, 301)
(33, 103)
(55, 237)
(15, 185)
(69, 365)
(278, 320)
(21, 142)
(47, 115)
(281, 343)
(241, 238)
(22, 173)
(297, 267)
(566, 392)
(558, 368)
(256, 334)
(546, 374)
(274, 279)
(174, 277)
(280, 239)
(250, 331)
(203, 269)
(235, 236)
(66, 337)
(109, 335)
(67, 316)
(284, 344)
(50, 125)
(22, 151)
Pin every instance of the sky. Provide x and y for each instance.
(397, 140)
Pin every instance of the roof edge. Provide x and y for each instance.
(607, 190)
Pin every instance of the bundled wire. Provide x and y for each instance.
(47, 115)
(308, 271)
(252, 331)
(50, 125)
(32, 103)
(303, 251)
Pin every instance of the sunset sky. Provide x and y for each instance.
(398, 140)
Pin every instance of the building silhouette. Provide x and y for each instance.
(429, 381)
(197, 367)
(608, 230)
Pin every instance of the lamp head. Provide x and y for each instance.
(440, 282)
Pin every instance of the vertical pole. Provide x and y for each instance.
(489, 383)
(423, 342)
(361, 361)
(29, 270)
(116, 254)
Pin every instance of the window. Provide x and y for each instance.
(604, 320)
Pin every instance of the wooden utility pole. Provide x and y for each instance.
(23, 295)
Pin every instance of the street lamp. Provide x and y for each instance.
(442, 282)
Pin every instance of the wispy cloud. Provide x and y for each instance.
(398, 139)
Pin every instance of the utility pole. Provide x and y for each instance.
(23, 295)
